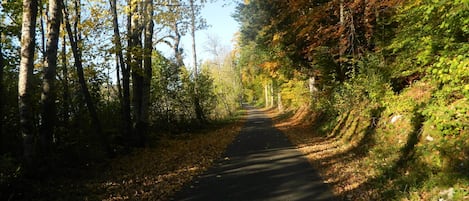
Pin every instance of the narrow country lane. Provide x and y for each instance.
(261, 164)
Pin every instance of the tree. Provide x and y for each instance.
(135, 57)
(142, 125)
(48, 96)
(65, 82)
(125, 68)
(198, 109)
(2, 67)
(28, 33)
(74, 37)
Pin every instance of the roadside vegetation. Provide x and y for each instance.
(91, 110)
(374, 93)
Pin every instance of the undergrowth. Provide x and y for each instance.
(372, 143)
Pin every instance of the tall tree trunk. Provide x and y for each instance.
(126, 81)
(48, 95)
(118, 81)
(28, 33)
(66, 90)
(271, 94)
(266, 94)
(2, 67)
(118, 47)
(147, 71)
(198, 109)
(84, 88)
(341, 12)
(42, 30)
(135, 48)
(125, 97)
(279, 102)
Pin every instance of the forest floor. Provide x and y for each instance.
(152, 173)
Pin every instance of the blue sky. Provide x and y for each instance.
(221, 24)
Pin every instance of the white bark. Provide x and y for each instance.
(28, 33)
(311, 83)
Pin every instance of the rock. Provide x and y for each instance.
(429, 138)
(395, 118)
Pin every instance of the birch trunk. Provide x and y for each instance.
(28, 33)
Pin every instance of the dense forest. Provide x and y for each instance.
(82, 84)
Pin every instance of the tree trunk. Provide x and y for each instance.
(266, 95)
(84, 88)
(66, 90)
(341, 12)
(118, 81)
(2, 67)
(135, 48)
(198, 109)
(125, 97)
(147, 71)
(48, 95)
(279, 102)
(194, 51)
(126, 111)
(176, 49)
(28, 33)
(271, 94)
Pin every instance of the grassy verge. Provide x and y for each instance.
(385, 152)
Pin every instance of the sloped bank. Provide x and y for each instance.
(391, 150)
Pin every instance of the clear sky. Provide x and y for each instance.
(221, 25)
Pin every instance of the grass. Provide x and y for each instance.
(383, 153)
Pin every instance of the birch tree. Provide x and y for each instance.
(28, 45)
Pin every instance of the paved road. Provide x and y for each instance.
(261, 164)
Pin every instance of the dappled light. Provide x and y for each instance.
(260, 164)
(234, 100)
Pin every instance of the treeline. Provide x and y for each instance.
(336, 51)
(369, 63)
(81, 80)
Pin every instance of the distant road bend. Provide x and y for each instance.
(261, 164)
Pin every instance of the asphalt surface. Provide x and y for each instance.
(261, 164)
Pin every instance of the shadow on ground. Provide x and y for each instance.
(343, 156)
(260, 165)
